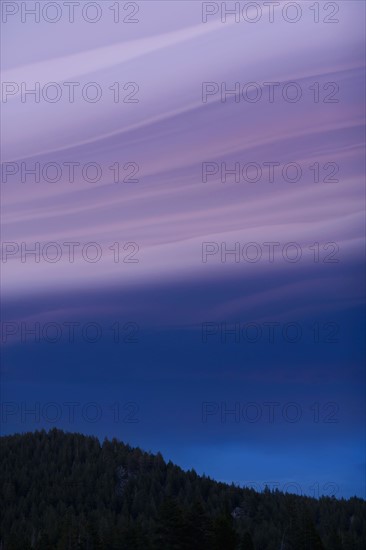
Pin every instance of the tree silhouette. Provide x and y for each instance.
(62, 491)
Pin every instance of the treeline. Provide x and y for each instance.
(62, 491)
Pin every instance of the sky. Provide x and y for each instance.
(183, 233)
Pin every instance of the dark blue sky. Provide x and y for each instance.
(161, 188)
(296, 399)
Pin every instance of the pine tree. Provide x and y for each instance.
(224, 534)
(169, 533)
(246, 542)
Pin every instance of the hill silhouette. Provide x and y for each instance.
(68, 491)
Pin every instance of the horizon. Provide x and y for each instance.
(266, 487)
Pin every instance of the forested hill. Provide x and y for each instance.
(66, 491)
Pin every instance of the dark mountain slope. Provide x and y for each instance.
(68, 492)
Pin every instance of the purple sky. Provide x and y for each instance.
(163, 140)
